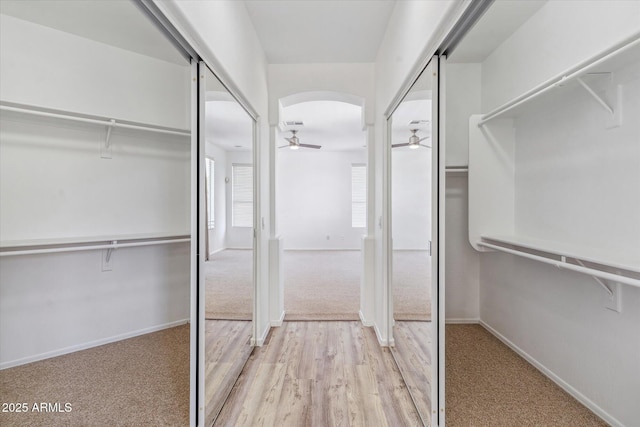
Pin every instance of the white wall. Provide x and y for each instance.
(53, 304)
(223, 34)
(314, 199)
(50, 68)
(218, 234)
(462, 94)
(565, 176)
(526, 60)
(54, 185)
(411, 198)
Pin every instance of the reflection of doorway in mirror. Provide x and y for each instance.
(412, 280)
(229, 217)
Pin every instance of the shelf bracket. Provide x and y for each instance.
(105, 149)
(614, 119)
(597, 279)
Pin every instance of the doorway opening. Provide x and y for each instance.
(321, 208)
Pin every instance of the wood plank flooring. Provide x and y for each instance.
(412, 353)
(227, 349)
(320, 374)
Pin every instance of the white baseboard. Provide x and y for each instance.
(555, 378)
(277, 323)
(383, 342)
(462, 321)
(260, 341)
(90, 344)
(363, 320)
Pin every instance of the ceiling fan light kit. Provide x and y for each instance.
(294, 142)
(414, 141)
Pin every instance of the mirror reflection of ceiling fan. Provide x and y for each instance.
(414, 141)
(294, 142)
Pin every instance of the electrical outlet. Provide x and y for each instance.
(614, 301)
(107, 259)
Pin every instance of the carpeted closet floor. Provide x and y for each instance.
(141, 381)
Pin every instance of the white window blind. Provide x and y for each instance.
(358, 195)
(211, 182)
(242, 196)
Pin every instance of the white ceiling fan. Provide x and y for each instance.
(294, 142)
(414, 141)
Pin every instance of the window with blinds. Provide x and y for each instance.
(358, 195)
(211, 182)
(242, 196)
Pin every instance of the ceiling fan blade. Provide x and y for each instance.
(426, 146)
(400, 145)
(422, 139)
(287, 139)
(285, 146)
(310, 146)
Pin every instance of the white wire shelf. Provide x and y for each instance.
(561, 256)
(36, 247)
(603, 63)
(75, 117)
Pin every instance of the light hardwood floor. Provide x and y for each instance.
(320, 374)
(227, 349)
(412, 353)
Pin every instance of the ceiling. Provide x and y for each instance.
(501, 20)
(326, 31)
(117, 23)
(336, 126)
(227, 124)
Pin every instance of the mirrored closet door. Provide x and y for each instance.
(227, 257)
(95, 164)
(413, 282)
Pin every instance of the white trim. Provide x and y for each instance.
(462, 321)
(278, 323)
(555, 378)
(260, 341)
(363, 320)
(238, 248)
(90, 344)
(381, 341)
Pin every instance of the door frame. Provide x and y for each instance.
(437, 238)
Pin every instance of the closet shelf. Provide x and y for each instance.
(33, 247)
(109, 123)
(565, 256)
(602, 64)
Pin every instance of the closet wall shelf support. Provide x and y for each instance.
(109, 245)
(564, 265)
(573, 73)
(105, 152)
(597, 279)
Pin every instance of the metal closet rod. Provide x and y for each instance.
(103, 122)
(572, 73)
(113, 244)
(565, 265)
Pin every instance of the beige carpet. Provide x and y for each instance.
(411, 285)
(488, 384)
(229, 285)
(318, 285)
(322, 285)
(142, 381)
(325, 285)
